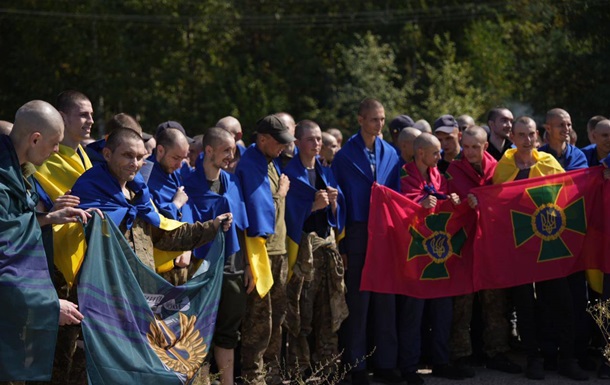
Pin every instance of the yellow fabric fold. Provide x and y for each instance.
(293, 251)
(507, 169)
(69, 249)
(164, 260)
(256, 250)
(596, 280)
(59, 173)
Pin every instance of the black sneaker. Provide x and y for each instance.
(503, 364)
(447, 371)
(413, 378)
(360, 377)
(387, 376)
(534, 369)
(463, 365)
(569, 368)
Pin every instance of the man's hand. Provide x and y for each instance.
(454, 198)
(183, 260)
(320, 201)
(68, 313)
(429, 202)
(180, 197)
(65, 200)
(225, 220)
(333, 194)
(249, 283)
(472, 201)
(284, 186)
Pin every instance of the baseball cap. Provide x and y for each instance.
(400, 122)
(173, 124)
(446, 124)
(274, 126)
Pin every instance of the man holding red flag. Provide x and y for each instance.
(422, 184)
(476, 168)
(521, 163)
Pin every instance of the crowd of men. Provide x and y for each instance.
(294, 206)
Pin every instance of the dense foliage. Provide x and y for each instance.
(198, 60)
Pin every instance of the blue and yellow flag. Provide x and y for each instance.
(299, 201)
(138, 328)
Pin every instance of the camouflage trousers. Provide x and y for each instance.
(496, 328)
(316, 303)
(262, 329)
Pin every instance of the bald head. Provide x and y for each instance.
(232, 125)
(555, 113)
(425, 140)
(405, 142)
(36, 116)
(123, 120)
(337, 134)
(37, 131)
(171, 137)
(5, 127)
(423, 126)
(465, 121)
(476, 132)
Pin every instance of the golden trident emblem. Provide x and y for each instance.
(183, 355)
(438, 247)
(548, 219)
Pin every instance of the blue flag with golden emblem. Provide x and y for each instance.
(138, 328)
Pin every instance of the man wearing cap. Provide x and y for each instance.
(500, 122)
(448, 133)
(366, 159)
(264, 189)
(396, 126)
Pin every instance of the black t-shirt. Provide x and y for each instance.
(318, 220)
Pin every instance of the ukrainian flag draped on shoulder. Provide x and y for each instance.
(299, 201)
(507, 170)
(163, 187)
(204, 205)
(352, 170)
(28, 325)
(59, 173)
(97, 188)
(256, 189)
(138, 328)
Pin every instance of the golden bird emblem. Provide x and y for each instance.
(184, 354)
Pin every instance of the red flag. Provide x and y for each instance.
(538, 229)
(415, 251)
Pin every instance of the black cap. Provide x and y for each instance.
(274, 126)
(400, 122)
(446, 124)
(173, 124)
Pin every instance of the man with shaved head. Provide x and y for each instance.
(329, 148)
(33, 311)
(474, 169)
(290, 150)
(337, 134)
(364, 160)
(590, 128)
(405, 143)
(423, 184)
(232, 125)
(5, 127)
(464, 122)
(558, 126)
(554, 296)
(601, 144)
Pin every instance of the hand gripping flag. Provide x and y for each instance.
(138, 328)
(538, 229)
(415, 251)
